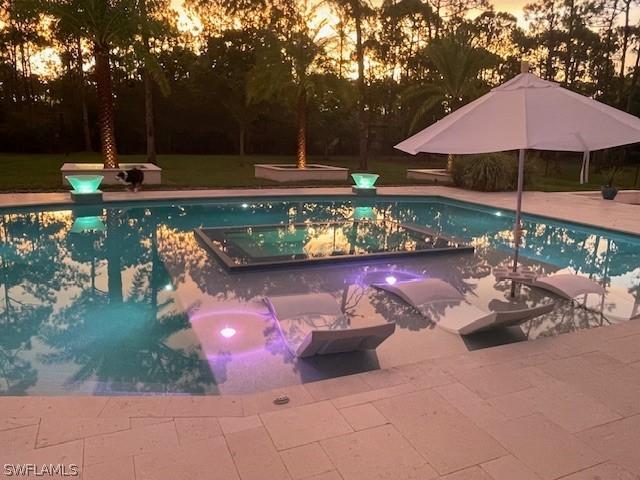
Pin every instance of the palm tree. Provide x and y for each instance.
(86, 131)
(303, 49)
(231, 59)
(456, 81)
(151, 27)
(357, 10)
(89, 328)
(103, 23)
(148, 86)
(73, 42)
(287, 69)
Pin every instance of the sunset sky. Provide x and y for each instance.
(47, 62)
(515, 7)
(512, 6)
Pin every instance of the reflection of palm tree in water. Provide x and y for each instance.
(565, 317)
(27, 295)
(350, 298)
(123, 347)
(624, 263)
(123, 344)
(395, 310)
(114, 247)
(18, 325)
(83, 249)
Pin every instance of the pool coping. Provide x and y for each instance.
(563, 206)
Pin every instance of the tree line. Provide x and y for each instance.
(281, 76)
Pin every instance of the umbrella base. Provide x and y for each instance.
(522, 274)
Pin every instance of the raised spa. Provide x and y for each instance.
(282, 245)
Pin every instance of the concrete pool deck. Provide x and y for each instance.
(565, 407)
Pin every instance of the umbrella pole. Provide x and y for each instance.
(516, 225)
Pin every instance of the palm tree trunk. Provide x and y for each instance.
(362, 115)
(626, 32)
(241, 140)
(301, 150)
(608, 71)
(634, 81)
(551, 47)
(149, 118)
(155, 268)
(571, 18)
(24, 75)
(14, 72)
(86, 131)
(450, 160)
(148, 92)
(105, 107)
(341, 36)
(438, 18)
(114, 267)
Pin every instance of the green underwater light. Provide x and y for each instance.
(364, 213)
(85, 183)
(87, 224)
(365, 180)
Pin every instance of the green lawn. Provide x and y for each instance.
(566, 178)
(42, 172)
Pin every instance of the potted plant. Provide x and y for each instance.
(609, 191)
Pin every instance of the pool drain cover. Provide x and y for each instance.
(281, 400)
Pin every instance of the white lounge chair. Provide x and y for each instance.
(313, 324)
(613, 304)
(435, 298)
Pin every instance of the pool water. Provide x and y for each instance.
(123, 299)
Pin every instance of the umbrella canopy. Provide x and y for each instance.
(527, 113)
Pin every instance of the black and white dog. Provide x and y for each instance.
(132, 178)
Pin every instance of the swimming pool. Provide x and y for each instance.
(121, 298)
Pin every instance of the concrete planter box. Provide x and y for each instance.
(152, 173)
(289, 173)
(435, 175)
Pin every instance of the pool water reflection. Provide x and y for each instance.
(85, 306)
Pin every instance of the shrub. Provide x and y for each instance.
(610, 175)
(491, 172)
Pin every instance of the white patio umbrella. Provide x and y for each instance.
(527, 113)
